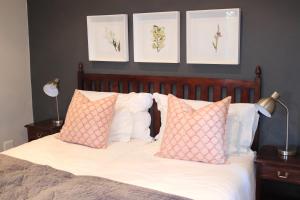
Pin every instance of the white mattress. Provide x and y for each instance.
(134, 163)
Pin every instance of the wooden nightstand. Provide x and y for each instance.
(40, 129)
(269, 166)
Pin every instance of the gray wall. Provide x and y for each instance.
(15, 86)
(270, 34)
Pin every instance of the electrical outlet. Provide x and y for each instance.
(8, 144)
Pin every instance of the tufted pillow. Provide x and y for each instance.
(195, 135)
(88, 122)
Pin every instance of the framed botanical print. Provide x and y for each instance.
(108, 38)
(213, 36)
(156, 37)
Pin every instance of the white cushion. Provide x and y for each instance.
(121, 126)
(129, 119)
(134, 102)
(141, 123)
(241, 123)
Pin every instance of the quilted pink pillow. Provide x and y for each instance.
(195, 135)
(88, 122)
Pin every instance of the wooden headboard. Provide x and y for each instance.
(208, 89)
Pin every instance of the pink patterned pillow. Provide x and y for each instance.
(88, 122)
(195, 135)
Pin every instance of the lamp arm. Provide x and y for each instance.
(57, 111)
(287, 123)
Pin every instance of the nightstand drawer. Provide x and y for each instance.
(280, 174)
(37, 134)
(41, 129)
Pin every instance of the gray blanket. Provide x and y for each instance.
(21, 179)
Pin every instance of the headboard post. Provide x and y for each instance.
(258, 72)
(255, 144)
(80, 76)
(258, 82)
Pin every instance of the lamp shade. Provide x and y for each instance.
(267, 105)
(51, 88)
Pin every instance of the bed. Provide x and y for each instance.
(134, 162)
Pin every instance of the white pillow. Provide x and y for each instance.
(141, 123)
(128, 108)
(134, 102)
(121, 126)
(241, 123)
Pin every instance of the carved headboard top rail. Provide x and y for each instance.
(208, 89)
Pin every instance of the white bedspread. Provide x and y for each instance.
(135, 163)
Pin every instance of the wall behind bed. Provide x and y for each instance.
(270, 35)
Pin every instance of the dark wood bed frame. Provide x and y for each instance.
(208, 89)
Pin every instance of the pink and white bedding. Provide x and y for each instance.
(134, 163)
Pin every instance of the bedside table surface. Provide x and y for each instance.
(41, 129)
(45, 124)
(269, 155)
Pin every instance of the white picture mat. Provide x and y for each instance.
(100, 49)
(202, 26)
(142, 26)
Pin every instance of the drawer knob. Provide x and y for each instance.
(39, 135)
(285, 176)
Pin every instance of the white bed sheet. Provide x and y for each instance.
(134, 163)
